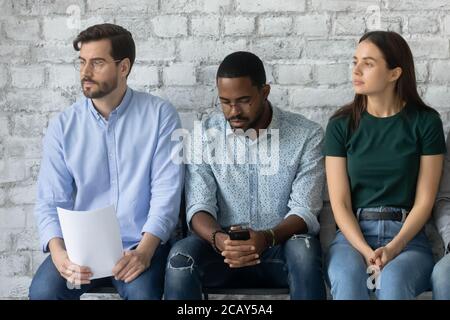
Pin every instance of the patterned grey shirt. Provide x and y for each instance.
(280, 173)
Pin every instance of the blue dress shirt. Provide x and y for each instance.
(90, 163)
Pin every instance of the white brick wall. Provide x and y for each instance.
(143, 76)
(439, 72)
(311, 25)
(306, 46)
(62, 76)
(11, 170)
(27, 76)
(3, 76)
(239, 25)
(446, 25)
(2, 202)
(155, 49)
(57, 29)
(349, 25)
(271, 6)
(29, 125)
(112, 6)
(423, 24)
(294, 74)
(12, 217)
(205, 26)
(337, 73)
(180, 74)
(275, 26)
(170, 26)
(22, 29)
(431, 48)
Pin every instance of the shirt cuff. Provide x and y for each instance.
(199, 207)
(49, 233)
(154, 227)
(310, 219)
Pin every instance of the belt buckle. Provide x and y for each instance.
(358, 213)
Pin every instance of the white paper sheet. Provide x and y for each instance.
(92, 239)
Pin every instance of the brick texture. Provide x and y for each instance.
(306, 45)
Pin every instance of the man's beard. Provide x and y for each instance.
(249, 124)
(104, 88)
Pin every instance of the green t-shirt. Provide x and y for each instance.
(383, 154)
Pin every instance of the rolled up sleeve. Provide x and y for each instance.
(306, 199)
(201, 191)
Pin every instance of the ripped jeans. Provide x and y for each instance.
(296, 264)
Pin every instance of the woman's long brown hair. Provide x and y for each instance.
(397, 53)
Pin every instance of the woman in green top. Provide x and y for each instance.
(384, 154)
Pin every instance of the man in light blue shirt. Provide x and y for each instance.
(113, 147)
(257, 165)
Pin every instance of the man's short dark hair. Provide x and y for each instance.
(122, 43)
(243, 64)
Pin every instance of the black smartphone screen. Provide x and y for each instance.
(239, 234)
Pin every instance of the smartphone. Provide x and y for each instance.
(240, 234)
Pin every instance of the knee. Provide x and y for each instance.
(395, 285)
(441, 271)
(346, 271)
(179, 271)
(394, 280)
(180, 256)
(42, 290)
(180, 261)
(345, 263)
(350, 284)
(35, 293)
(350, 276)
(142, 293)
(303, 249)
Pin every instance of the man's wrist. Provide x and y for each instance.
(269, 236)
(146, 253)
(214, 239)
(56, 245)
(148, 245)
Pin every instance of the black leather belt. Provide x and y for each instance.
(374, 215)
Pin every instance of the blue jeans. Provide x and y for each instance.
(296, 264)
(440, 279)
(48, 284)
(404, 277)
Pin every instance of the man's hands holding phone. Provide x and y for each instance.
(241, 247)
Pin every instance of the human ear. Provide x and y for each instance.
(266, 91)
(396, 73)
